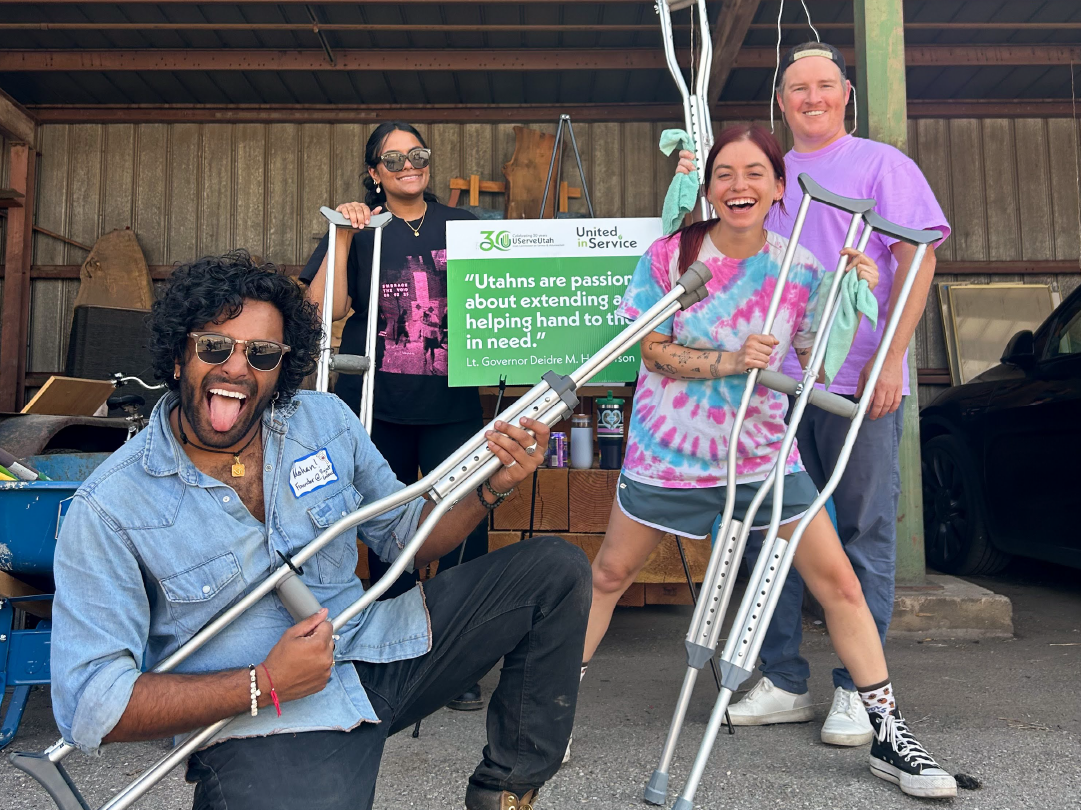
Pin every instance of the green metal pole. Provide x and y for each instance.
(883, 116)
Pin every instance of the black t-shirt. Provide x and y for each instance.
(411, 346)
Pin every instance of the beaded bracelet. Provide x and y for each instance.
(255, 693)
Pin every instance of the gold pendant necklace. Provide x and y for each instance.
(238, 468)
(416, 230)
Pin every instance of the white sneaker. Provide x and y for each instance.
(847, 722)
(766, 704)
(567, 756)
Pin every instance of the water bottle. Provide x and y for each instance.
(610, 431)
(581, 442)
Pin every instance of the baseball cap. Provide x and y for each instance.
(811, 49)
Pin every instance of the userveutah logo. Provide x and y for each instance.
(505, 240)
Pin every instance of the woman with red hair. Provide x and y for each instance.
(690, 385)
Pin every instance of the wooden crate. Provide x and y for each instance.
(591, 494)
(552, 504)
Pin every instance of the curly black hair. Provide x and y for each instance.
(214, 288)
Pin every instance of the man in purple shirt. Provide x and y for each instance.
(812, 94)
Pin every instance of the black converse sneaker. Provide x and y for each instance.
(898, 757)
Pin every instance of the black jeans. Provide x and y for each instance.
(527, 603)
(407, 447)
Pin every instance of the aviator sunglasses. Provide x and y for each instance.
(418, 156)
(212, 349)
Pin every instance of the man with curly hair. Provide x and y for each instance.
(238, 469)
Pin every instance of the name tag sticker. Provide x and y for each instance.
(311, 473)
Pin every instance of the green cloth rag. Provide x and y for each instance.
(682, 193)
(855, 298)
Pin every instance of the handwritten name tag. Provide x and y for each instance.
(311, 473)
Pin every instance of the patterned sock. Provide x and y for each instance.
(879, 698)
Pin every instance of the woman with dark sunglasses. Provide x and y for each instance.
(418, 419)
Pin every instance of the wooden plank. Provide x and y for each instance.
(592, 493)
(282, 185)
(347, 165)
(729, 31)
(934, 161)
(11, 586)
(182, 230)
(86, 189)
(673, 594)
(251, 188)
(478, 158)
(216, 206)
(1062, 143)
(118, 176)
(607, 169)
(968, 219)
(22, 166)
(150, 200)
(634, 596)
(1000, 181)
(552, 503)
(16, 123)
(446, 144)
(1034, 193)
(638, 184)
(70, 396)
(315, 190)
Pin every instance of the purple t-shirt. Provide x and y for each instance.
(857, 167)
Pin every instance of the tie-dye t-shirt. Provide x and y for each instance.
(680, 429)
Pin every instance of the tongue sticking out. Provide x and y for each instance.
(224, 412)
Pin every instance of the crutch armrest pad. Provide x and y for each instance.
(821, 399)
(349, 363)
(913, 237)
(342, 221)
(850, 204)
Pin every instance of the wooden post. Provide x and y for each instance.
(883, 116)
(16, 313)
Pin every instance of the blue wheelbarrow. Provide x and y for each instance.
(31, 514)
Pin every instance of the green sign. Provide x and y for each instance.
(527, 296)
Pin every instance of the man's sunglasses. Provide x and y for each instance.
(263, 355)
(419, 157)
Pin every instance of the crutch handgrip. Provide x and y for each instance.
(913, 237)
(816, 192)
(822, 399)
(694, 283)
(297, 597)
(349, 363)
(342, 221)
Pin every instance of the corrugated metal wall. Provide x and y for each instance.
(1009, 187)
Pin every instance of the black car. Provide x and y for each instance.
(1001, 455)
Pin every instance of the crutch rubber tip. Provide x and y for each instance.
(682, 804)
(656, 791)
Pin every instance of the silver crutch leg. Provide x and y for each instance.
(758, 606)
(719, 583)
(695, 106)
(344, 363)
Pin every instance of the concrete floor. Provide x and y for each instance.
(1006, 711)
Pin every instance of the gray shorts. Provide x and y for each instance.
(691, 512)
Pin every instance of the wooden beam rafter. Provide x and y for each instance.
(729, 31)
(483, 59)
(16, 124)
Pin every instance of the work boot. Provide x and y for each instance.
(469, 701)
(847, 722)
(478, 798)
(898, 757)
(766, 704)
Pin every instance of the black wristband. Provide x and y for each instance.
(498, 497)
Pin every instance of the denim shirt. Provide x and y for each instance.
(151, 549)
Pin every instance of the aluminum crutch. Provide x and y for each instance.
(696, 105)
(550, 401)
(719, 581)
(351, 363)
(764, 590)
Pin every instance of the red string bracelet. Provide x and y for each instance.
(273, 694)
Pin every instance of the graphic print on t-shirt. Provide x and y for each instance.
(413, 317)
